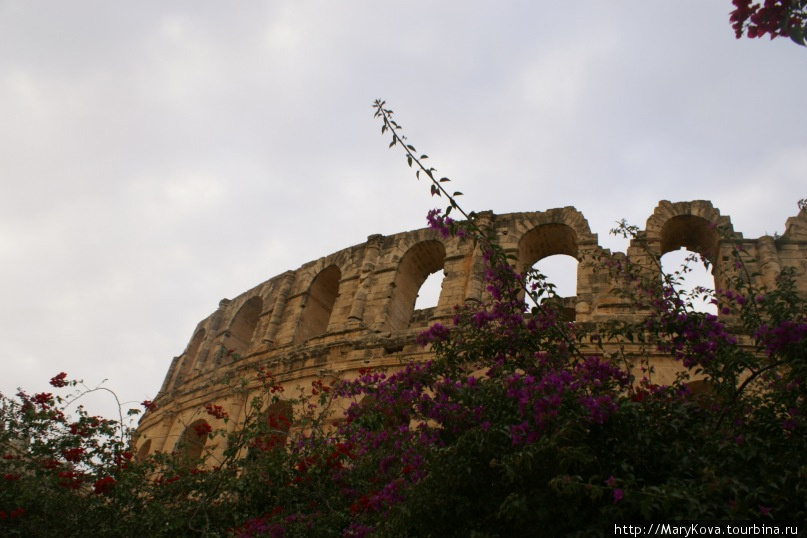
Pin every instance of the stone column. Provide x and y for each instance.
(280, 306)
(215, 323)
(769, 263)
(371, 251)
(476, 274)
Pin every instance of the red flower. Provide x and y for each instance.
(122, 459)
(73, 454)
(202, 429)
(77, 429)
(304, 464)
(149, 405)
(69, 480)
(43, 399)
(103, 485)
(50, 464)
(216, 411)
(318, 386)
(59, 380)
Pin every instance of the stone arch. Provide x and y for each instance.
(575, 235)
(192, 442)
(242, 327)
(273, 426)
(696, 226)
(546, 240)
(552, 232)
(143, 451)
(551, 240)
(691, 232)
(190, 355)
(419, 261)
(318, 305)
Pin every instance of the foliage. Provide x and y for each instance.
(775, 18)
(522, 421)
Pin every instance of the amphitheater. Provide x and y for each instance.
(355, 308)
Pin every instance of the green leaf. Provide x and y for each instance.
(797, 34)
(411, 147)
(458, 193)
(424, 157)
(444, 179)
(409, 160)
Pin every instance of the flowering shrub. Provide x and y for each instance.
(772, 17)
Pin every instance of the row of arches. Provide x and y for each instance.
(316, 305)
(272, 429)
(553, 242)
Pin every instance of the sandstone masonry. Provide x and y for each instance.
(355, 308)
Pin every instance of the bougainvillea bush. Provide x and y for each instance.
(775, 18)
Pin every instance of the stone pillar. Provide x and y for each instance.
(769, 263)
(215, 323)
(280, 306)
(371, 251)
(476, 274)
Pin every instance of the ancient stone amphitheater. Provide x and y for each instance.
(355, 308)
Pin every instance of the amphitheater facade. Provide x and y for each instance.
(354, 308)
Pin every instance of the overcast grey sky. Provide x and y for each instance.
(158, 156)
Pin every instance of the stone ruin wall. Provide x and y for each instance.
(355, 308)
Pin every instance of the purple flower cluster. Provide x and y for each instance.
(435, 333)
(444, 224)
(694, 338)
(777, 339)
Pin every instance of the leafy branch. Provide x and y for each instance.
(487, 235)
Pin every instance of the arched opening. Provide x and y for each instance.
(560, 272)
(191, 354)
(273, 427)
(375, 415)
(691, 232)
(420, 261)
(689, 273)
(319, 303)
(242, 328)
(551, 249)
(686, 241)
(429, 292)
(192, 443)
(143, 451)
